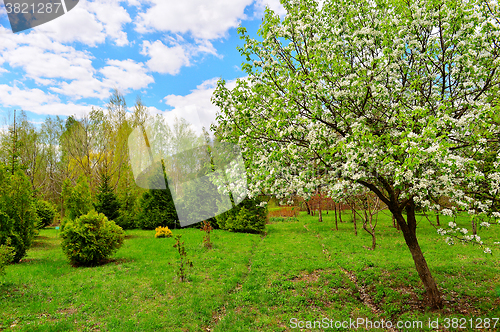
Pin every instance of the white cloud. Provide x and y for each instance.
(164, 59)
(37, 101)
(49, 63)
(62, 109)
(170, 59)
(13, 96)
(89, 23)
(88, 87)
(195, 107)
(37, 62)
(113, 16)
(151, 110)
(274, 5)
(135, 3)
(125, 75)
(65, 70)
(203, 19)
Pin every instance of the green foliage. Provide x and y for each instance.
(46, 213)
(107, 202)
(6, 256)
(247, 217)
(77, 199)
(283, 219)
(157, 207)
(128, 193)
(90, 239)
(126, 220)
(18, 216)
(199, 201)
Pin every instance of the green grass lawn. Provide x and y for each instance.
(300, 271)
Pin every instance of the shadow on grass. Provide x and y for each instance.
(102, 262)
(12, 290)
(40, 243)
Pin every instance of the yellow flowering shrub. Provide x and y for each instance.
(163, 232)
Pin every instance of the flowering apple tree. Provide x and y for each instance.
(394, 96)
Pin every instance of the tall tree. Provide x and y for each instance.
(382, 94)
(18, 216)
(54, 171)
(157, 206)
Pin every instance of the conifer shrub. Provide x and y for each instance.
(90, 239)
(46, 213)
(7, 254)
(248, 217)
(18, 217)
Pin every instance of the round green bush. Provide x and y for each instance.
(247, 217)
(46, 213)
(90, 239)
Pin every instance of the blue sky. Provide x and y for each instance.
(168, 52)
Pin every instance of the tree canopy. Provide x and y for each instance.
(394, 96)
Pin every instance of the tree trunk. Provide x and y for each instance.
(340, 214)
(354, 221)
(394, 222)
(474, 228)
(335, 209)
(437, 219)
(320, 219)
(370, 219)
(307, 207)
(408, 228)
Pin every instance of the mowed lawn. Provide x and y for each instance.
(299, 271)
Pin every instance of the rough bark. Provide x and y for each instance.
(408, 229)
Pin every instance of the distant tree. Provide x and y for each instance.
(128, 194)
(46, 213)
(77, 199)
(157, 207)
(107, 202)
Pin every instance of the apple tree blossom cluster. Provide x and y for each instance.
(396, 97)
